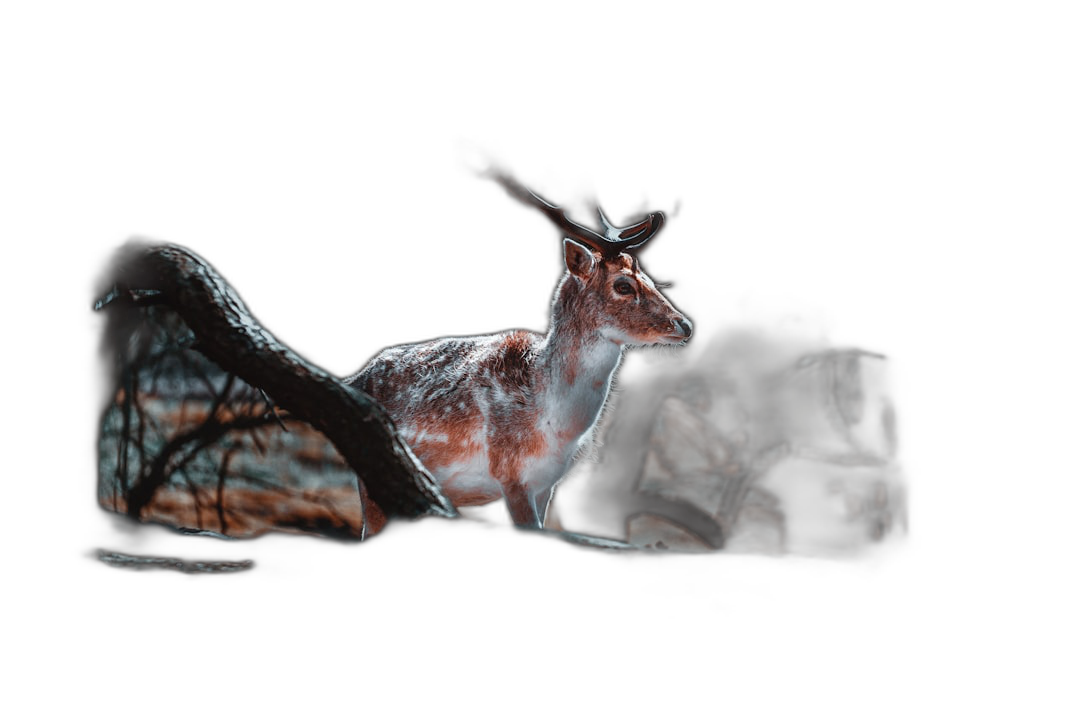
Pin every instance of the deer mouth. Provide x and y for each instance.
(664, 339)
(683, 330)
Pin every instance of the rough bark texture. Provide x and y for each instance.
(227, 334)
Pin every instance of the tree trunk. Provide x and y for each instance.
(227, 334)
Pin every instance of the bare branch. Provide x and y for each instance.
(157, 473)
(273, 409)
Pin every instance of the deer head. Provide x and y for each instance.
(606, 291)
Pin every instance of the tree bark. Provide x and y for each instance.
(229, 335)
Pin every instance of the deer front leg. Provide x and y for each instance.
(525, 509)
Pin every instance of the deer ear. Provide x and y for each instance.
(580, 260)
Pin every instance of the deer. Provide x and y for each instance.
(504, 415)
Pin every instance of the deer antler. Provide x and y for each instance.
(632, 236)
(615, 240)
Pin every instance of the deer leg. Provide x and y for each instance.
(522, 505)
(540, 500)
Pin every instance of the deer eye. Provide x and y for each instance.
(624, 287)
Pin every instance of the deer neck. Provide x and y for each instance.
(579, 361)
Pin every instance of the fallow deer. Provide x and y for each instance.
(503, 415)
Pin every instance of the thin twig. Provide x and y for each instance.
(273, 409)
(223, 471)
(157, 473)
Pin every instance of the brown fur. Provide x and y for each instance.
(456, 397)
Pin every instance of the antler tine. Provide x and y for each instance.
(631, 240)
(637, 235)
(632, 236)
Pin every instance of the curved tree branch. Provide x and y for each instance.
(229, 335)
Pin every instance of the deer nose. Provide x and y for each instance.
(684, 325)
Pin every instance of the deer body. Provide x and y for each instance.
(503, 415)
